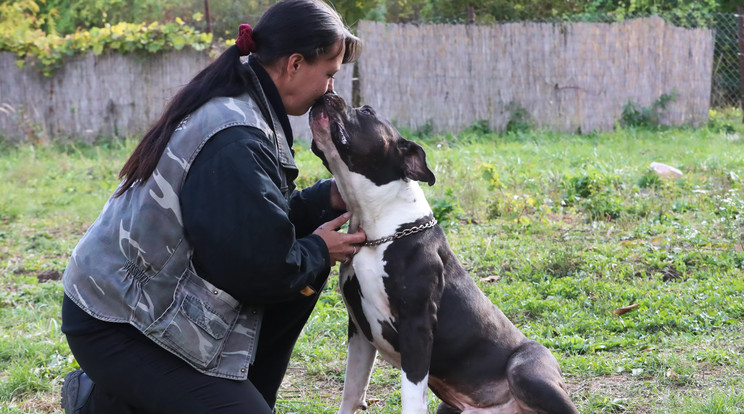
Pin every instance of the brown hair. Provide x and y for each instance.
(309, 27)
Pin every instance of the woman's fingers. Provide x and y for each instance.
(341, 246)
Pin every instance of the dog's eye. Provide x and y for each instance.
(366, 110)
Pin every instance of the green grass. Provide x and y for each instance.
(572, 227)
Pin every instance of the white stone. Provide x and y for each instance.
(664, 170)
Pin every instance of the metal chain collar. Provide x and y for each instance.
(402, 233)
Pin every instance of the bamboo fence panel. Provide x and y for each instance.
(567, 76)
(92, 96)
(106, 95)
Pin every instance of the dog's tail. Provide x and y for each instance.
(535, 380)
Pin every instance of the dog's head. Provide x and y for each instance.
(364, 143)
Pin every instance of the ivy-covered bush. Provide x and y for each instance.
(22, 32)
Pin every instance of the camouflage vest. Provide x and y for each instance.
(133, 265)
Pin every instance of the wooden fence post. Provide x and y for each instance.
(206, 16)
(740, 17)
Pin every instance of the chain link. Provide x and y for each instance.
(726, 88)
(402, 233)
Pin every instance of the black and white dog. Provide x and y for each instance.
(407, 295)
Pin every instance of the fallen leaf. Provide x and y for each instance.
(625, 309)
(491, 278)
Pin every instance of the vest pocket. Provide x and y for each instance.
(202, 318)
(200, 314)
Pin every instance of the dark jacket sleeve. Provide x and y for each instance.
(238, 222)
(311, 207)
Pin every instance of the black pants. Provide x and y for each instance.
(134, 375)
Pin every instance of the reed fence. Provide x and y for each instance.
(563, 76)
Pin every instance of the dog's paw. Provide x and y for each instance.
(352, 408)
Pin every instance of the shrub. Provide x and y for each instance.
(584, 184)
(634, 116)
(21, 32)
(519, 119)
(606, 205)
(446, 209)
(479, 127)
(650, 179)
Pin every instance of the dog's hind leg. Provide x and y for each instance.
(359, 362)
(535, 380)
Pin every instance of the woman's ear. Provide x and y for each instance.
(294, 63)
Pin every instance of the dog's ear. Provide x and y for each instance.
(414, 162)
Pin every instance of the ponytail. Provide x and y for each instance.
(226, 76)
(309, 27)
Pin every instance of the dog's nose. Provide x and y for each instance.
(329, 96)
(331, 100)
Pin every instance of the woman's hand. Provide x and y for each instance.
(341, 246)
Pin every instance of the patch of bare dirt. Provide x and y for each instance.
(48, 275)
(299, 385)
(640, 394)
(43, 403)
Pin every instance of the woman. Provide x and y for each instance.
(189, 291)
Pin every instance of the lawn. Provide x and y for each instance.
(562, 232)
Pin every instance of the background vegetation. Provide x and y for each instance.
(44, 32)
(67, 17)
(562, 232)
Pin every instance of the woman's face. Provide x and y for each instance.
(302, 83)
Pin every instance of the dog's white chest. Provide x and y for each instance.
(369, 304)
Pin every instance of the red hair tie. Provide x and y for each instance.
(245, 40)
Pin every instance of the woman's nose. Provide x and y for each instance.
(330, 86)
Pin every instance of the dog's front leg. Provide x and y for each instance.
(360, 359)
(413, 395)
(416, 338)
(422, 284)
(415, 356)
